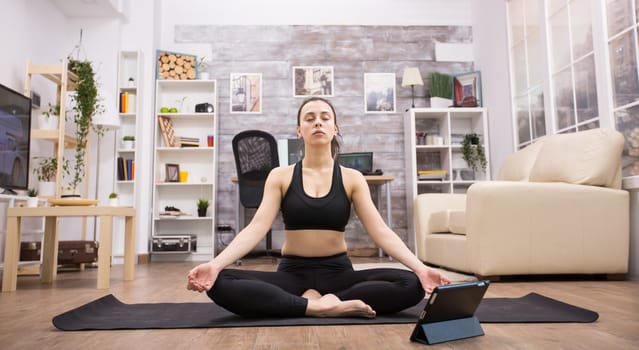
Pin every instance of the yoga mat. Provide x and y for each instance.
(110, 313)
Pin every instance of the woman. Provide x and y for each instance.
(315, 276)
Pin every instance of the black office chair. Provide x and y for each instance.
(255, 153)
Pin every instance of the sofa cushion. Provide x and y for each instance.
(447, 221)
(517, 166)
(438, 221)
(590, 157)
(457, 221)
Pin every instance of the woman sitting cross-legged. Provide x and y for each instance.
(315, 277)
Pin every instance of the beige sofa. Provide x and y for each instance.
(555, 208)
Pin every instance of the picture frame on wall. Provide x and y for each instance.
(172, 173)
(246, 93)
(313, 81)
(467, 89)
(380, 93)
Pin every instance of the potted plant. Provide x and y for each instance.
(86, 105)
(202, 206)
(128, 142)
(113, 199)
(46, 173)
(441, 90)
(473, 152)
(32, 201)
(49, 119)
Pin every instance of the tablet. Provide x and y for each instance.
(449, 313)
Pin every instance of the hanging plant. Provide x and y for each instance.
(86, 105)
(473, 152)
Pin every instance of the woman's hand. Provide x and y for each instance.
(431, 278)
(202, 277)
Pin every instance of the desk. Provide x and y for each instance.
(373, 180)
(51, 235)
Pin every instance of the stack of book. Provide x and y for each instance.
(431, 174)
(127, 102)
(126, 169)
(189, 141)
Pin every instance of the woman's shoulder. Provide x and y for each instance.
(282, 173)
(352, 176)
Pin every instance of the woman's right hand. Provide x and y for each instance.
(202, 277)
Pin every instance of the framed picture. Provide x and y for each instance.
(246, 93)
(313, 81)
(379, 92)
(172, 173)
(467, 89)
(175, 66)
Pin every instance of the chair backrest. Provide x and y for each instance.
(255, 153)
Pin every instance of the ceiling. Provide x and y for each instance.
(91, 8)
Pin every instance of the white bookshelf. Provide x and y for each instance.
(200, 163)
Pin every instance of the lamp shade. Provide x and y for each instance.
(411, 77)
(109, 117)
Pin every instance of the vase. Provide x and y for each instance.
(201, 212)
(46, 188)
(32, 202)
(128, 144)
(48, 123)
(204, 75)
(113, 202)
(440, 102)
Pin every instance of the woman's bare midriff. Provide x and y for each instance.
(313, 243)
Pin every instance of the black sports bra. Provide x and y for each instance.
(303, 212)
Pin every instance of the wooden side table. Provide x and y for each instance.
(51, 235)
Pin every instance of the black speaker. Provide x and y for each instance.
(204, 108)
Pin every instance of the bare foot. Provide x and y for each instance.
(330, 305)
(311, 294)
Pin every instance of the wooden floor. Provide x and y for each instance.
(25, 317)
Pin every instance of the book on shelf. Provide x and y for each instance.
(431, 174)
(167, 131)
(120, 169)
(124, 100)
(189, 144)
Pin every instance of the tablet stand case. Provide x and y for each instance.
(443, 331)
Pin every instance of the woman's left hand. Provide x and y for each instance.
(431, 278)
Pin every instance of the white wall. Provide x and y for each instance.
(37, 31)
(490, 34)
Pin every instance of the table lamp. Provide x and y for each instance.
(412, 77)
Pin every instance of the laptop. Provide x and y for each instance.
(362, 161)
(449, 313)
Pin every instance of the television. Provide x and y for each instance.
(15, 136)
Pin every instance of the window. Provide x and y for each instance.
(622, 49)
(572, 65)
(527, 71)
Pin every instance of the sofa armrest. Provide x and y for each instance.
(546, 228)
(425, 205)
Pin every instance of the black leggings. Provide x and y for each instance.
(278, 294)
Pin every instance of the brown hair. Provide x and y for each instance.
(335, 143)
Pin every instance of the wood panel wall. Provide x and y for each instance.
(352, 51)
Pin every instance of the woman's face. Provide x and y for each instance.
(317, 123)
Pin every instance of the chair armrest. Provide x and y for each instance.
(425, 205)
(545, 227)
